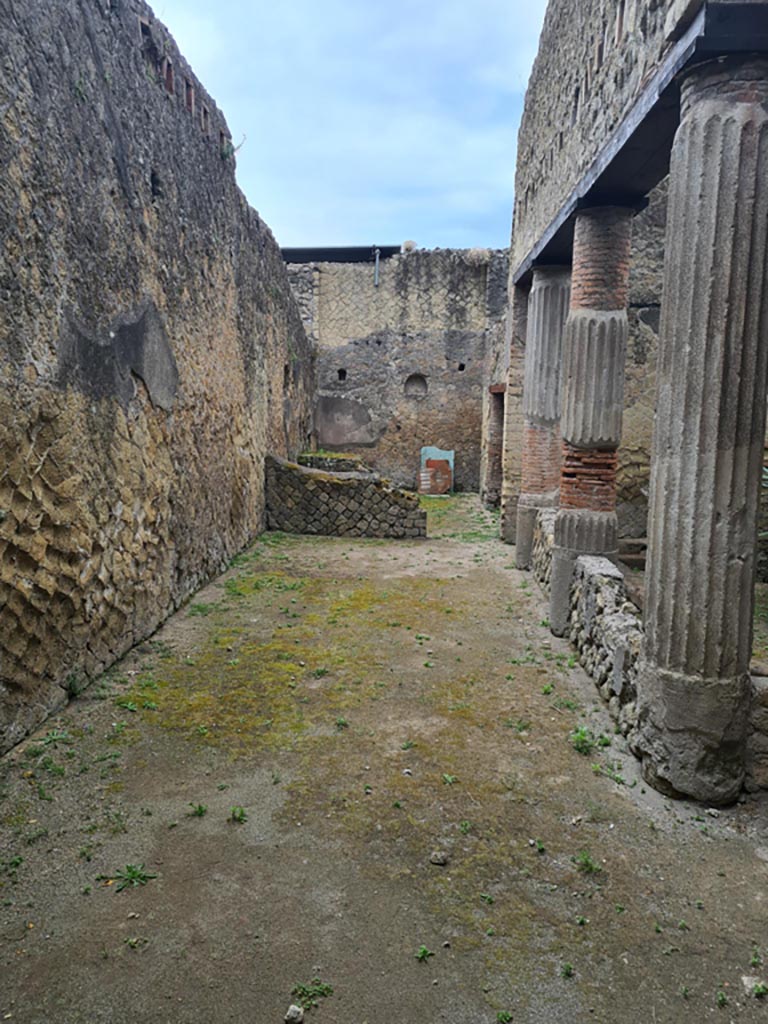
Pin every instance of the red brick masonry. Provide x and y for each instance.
(588, 479)
(601, 253)
(541, 459)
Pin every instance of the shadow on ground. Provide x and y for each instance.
(356, 762)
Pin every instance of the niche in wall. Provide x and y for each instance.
(416, 386)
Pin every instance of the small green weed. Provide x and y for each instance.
(423, 954)
(131, 876)
(54, 737)
(238, 815)
(307, 995)
(585, 863)
(8, 868)
(198, 811)
(582, 740)
(449, 780)
(566, 971)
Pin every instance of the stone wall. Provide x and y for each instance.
(303, 500)
(512, 463)
(606, 628)
(493, 412)
(607, 631)
(543, 545)
(594, 58)
(645, 287)
(151, 350)
(402, 362)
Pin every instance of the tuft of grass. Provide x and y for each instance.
(238, 815)
(199, 608)
(582, 740)
(566, 971)
(9, 867)
(132, 876)
(585, 863)
(198, 811)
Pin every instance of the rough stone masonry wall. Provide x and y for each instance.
(401, 364)
(644, 309)
(606, 628)
(303, 500)
(151, 350)
(594, 58)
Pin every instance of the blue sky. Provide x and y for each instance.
(369, 122)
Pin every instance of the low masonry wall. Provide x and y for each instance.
(543, 544)
(606, 628)
(302, 500)
(333, 463)
(607, 631)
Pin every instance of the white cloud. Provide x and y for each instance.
(368, 120)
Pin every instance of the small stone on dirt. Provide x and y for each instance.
(439, 857)
(295, 1015)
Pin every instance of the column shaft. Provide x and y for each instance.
(694, 688)
(547, 310)
(594, 354)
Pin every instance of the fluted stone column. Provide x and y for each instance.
(693, 683)
(540, 484)
(517, 318)
(594, 353)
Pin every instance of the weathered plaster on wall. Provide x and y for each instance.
(428, 316)
(150, 347)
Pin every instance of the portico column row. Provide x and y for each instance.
(693, 685)
(594, 353)
(540, 483)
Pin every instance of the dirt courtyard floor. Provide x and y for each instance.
(347, 772)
